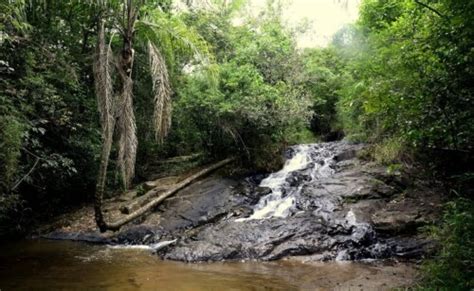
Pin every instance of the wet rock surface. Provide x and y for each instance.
(327, 205)
(348, 213)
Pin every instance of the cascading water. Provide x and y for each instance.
(308, 165)
(309, 158)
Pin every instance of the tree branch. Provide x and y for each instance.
(430, 8)
(27, 174)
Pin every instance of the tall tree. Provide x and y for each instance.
(142, 23)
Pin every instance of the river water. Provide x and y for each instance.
(60, 265)
(53, 265)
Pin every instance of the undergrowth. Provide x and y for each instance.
(452, 268)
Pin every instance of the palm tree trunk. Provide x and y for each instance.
(104, 91)
(101, 179)
(125, 71)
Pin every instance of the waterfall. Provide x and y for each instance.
(309, 158)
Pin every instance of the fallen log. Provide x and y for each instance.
(138, 202)
(161, 182)
(180, 159)
(154, 188)
(141, 211)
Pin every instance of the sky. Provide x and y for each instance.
(326, 17)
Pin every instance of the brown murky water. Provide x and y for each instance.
(52, 265)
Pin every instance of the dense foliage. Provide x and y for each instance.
(251, 108)
(237, 91)
(48, 132)
(453, 267)
(410, 74)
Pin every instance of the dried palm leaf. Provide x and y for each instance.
(102, 67)
(126, 127)
(161, 91)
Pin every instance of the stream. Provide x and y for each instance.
(53, 265)
(326, 220)
(300, 210)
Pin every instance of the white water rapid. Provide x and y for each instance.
(310, 158)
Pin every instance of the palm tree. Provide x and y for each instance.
(139, 23)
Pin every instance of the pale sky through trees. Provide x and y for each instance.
(326, 17)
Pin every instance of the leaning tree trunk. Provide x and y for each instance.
(101, 179)
(103, 66)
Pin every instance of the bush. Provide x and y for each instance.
(303, 135)
(242, 115)
(11, 131)
(13, 215)
(388, 151)
(453, 267)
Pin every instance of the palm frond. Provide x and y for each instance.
(162, 92)
(127, 143)
(174, 37)
(102, 67)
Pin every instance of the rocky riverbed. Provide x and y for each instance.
(325, 204)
